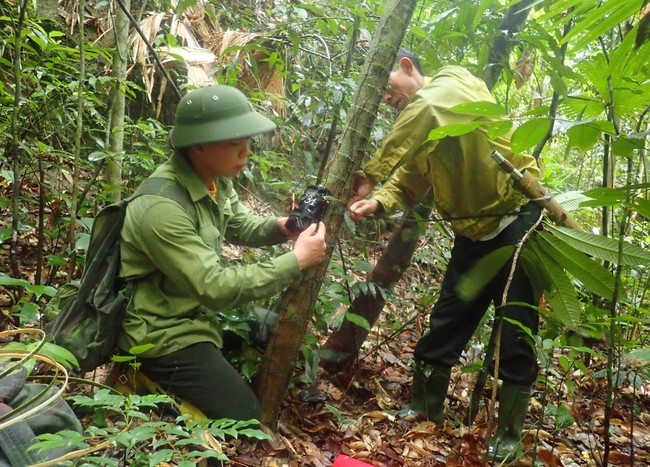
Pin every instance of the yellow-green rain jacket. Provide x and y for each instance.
(470, 188)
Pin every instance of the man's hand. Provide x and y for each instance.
(363, 208)
(282, 221)
(361, 186)
(310, 246)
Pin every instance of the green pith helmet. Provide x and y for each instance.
(216, 113)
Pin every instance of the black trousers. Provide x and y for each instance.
(202, 376)
(453, 320)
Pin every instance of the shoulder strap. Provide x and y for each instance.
(168, 189)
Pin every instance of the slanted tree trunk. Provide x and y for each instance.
(297, 303)
(347, 340)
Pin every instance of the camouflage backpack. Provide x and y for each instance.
(86, 315)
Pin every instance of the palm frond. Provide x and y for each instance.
(601, 247)
(561, 294)
(592, 275)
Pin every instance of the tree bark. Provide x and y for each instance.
(345, 342)
(499, 54)
(118, 98)
(296, 304)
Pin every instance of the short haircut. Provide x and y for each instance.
(403, 53)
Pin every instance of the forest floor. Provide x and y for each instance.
(356, 412)
(359, 417)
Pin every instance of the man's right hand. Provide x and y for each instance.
(310, 246)
(363, 208)
(362, 185)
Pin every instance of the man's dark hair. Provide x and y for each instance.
(403, 53)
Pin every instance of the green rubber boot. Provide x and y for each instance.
(429, 391)
(513, 406)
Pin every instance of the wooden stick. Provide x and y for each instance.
(541, 195)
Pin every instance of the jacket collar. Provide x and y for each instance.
(186, 175)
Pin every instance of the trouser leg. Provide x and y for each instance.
(454, 320)
(202, 376)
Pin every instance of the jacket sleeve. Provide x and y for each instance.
(406, 186)
(246, 228)
(410, 131)
(170, 242)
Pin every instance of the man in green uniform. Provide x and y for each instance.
(173, 257)
(485, 213)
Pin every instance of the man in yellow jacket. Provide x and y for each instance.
(485, 212)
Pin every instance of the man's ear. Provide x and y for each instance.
(406, 64)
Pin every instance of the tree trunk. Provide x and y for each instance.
(296, 304)
(502, 45)
(74, 196)
(345, 342)
(118, 97)
(349, 337)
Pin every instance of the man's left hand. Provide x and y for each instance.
(282, 221)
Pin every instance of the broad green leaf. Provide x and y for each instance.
(6, 280)
(358, 320)
(253, 433)
(584, 106)
(563, 418)
(499, 128)
(570, 200)
(160, 456)
(561, 295)
(362, 266)
(537, 276)
(475, 280)
(604, 197)
(336, 320)
(483, 108)
(60, 354)
(123, 358)
(558, 84)
(333, 355)
(583, 137)
(605, 126)
(601, 247)
(642, 206)
(37, 290)
(455, 129)
(621, 192)
(625, 147)
(139, 349)
(558, 8)
(541, 111)
(529, 134)
(7, 175)
(593, 276)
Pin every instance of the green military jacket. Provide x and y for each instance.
(180, 278)
(469, 187)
